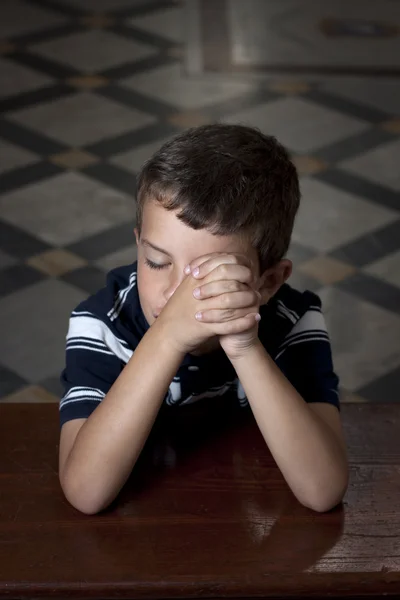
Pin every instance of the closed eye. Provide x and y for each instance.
(154, 265)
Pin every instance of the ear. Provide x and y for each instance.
(272, 279)
(137, 235)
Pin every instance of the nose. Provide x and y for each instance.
(173, 283)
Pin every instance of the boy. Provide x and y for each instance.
(205, 309)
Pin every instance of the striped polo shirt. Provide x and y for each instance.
(105, 329)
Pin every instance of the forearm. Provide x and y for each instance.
(110, 441)
(305, 448)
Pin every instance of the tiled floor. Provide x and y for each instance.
(89, 88)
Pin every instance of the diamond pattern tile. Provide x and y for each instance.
(300, 125)
(169, 84)
(384, 94)
(357, 328)
(17, 79)
(134, 159)
(81, 119)
(6, 260)
(34, 18)
(168, 23)
(125, 256)
(329, 217)
(94, 50)
(12, 157)
(105, 5)
(387, 268)
(89, 89)
(43, 326)
(65, 208)
(379, 165)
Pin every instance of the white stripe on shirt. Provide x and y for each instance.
(121, 297)
(97, 331)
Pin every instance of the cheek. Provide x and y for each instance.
(149, 286)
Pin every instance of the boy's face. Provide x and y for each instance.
(177, 246)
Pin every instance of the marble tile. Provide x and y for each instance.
(326, 270)
(387, 268)
(74, 159)
(17, 79)
(43, 326)
(88, 82)
(124, 256)
(9, 382)
(329, 217)
(370, 247)
(300, 125)
(81, 118)
(303, 281)
(309, 165)
(66, 208)
(382, 93)
(167, 23)
(17, 276)
(393, 126)
(12, 157)
(380, 165)
(6, 260)
(92, 51)
(384, 389)
(31, 394)
(99, 6)
(134, 159)
(19, 17)
(95, 247)
(373, 290)
(88, 278)
(56, 262)
(365, 337)
(170, 84)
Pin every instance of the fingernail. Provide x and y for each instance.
(258, 317)
(199, 316)
(196, 271)
(196, 292)
(187, 269)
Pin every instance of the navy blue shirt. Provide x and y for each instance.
(105, 329)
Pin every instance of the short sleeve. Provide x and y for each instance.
(305, 358)
(95, 357)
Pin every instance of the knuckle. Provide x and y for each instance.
(234, 286)
(249, 276)
(226, 300)
(223, 270)
(228, 313)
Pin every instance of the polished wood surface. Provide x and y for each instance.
(206, 513)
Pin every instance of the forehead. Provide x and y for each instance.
(163, 228)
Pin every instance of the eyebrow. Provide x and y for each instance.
(147, 243)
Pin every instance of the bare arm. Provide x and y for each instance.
(305, 439)
(98, 454)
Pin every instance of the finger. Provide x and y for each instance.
(225, 271)
(201, 270)
(238, 325)
(232, 300)
(198, 261)
(216, 288)
(216, 315)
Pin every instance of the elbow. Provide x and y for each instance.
(325, 498)
(85, 501)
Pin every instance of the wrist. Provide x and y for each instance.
(246, 354)
(166, 339)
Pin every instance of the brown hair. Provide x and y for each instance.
(227, 179)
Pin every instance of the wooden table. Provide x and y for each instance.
(206, 514)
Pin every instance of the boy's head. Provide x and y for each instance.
(214, 188)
